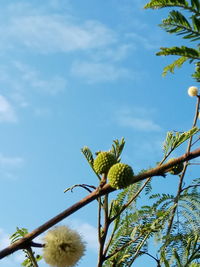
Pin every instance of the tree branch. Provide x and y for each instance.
(157, 171)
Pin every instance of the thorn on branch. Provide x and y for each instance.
(85, 186)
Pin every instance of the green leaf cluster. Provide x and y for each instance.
(20, 232)
(29, 254)
(185, 24)
(175, 139)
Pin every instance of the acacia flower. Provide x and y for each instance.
(63, 247)
(192, 91)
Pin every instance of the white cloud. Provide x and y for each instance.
(18, 98)
(55, 33)
(138, 119)
(42, 112)
(114, 53)
(10, 166)
(99, 72)
(59, 4)
(21, 81)
(145, 41)
(10, 162)
(139, 123)
(4, 239)
(32, 78)
(88, 232)
(7, 113)
(44, 31)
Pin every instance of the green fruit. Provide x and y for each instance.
(103, 162)
(176, 169)
(120, 175)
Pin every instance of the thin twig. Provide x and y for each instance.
(148, 254)
(195, 141)
(176, 199)
(109, 241)
(190, 186)
(138, 249)
(121, 248)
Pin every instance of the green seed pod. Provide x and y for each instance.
(176, 169)
(103, 162)
(120, 175)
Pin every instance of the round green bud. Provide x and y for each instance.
(103, 162)
(120, 175)
(176, 169)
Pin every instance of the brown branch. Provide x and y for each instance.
(190, 186)
(148, 254)
(157, 171)
(36, 245)
(104, 233)
(99, 220)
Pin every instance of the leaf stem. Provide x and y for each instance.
(176, 199)
(31, 256)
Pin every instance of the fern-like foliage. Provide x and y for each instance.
(124, 197)
(88, 155)
(117, 148)
(187, 26)
(176, 64)
(174, 140)
(193, 6)
(125, 239)
(177, 23)
(154, 4)
(20, 232)
(186, 225)
(135, 226)
(196, 74)
(184, 51)
(189, 256)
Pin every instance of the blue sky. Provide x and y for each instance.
(76, 73)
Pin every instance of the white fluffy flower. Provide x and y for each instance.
(192, 91)
(63, 247)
